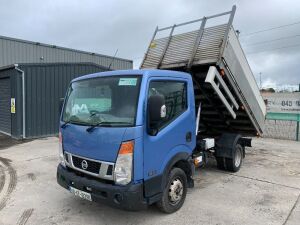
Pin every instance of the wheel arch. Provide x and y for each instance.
(182, 160)
(179, 156)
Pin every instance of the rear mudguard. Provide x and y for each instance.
(225, 145)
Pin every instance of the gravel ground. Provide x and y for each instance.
(265, 191)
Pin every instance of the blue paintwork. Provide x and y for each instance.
(101, 144)
(151, 153)
(159, 149)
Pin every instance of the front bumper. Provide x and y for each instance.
(129, 197)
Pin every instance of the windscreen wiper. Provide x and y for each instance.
(89, 129)
(92, 127)
(103, 123)
(63, 126)
(72, 119)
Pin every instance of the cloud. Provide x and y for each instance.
(106, 25)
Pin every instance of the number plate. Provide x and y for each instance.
(81, 194)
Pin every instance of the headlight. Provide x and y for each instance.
(60, 151)
(123, 167)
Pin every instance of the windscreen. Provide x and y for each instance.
(105, 101)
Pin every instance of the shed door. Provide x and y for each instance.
(5, 116)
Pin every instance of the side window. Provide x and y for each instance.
(175, 95)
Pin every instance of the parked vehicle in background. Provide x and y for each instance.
(133, 138)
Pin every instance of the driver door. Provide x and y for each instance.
(173, 129)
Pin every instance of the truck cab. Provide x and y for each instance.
(122, 133)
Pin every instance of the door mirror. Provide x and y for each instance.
(157, 111)
(61, 104)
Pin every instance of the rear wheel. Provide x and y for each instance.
(175, 191)
(235, 163)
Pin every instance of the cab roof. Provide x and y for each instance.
(143, 72)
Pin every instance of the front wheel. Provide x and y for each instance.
(175, 191)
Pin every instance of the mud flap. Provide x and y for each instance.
(225, 145)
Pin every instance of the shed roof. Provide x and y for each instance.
(51, 64)
(58, 47)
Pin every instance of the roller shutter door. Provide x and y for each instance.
(5, 116)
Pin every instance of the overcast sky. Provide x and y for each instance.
(103, 26)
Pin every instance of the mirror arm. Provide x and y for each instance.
(153, 131)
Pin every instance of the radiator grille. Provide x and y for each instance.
(84, 164)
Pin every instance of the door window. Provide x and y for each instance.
(175, 96)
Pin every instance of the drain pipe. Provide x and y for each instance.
(23, 99)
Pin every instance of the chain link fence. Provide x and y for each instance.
(281, 129)
(283, 115)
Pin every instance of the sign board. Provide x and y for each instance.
(13, 105)
(283, 102)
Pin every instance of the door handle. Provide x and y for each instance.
(188, 136)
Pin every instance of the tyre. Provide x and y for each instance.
(175, 191)
(220, 163)
(235, 163)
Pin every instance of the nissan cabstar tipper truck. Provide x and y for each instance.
(133, 138)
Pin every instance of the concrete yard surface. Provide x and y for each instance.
(265, 191)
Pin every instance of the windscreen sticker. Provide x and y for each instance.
(76, 109)
(127, 81)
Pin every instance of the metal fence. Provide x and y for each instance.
(283, 115)
(282, 129)
(282, 126)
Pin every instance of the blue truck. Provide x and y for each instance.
(133, 138)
